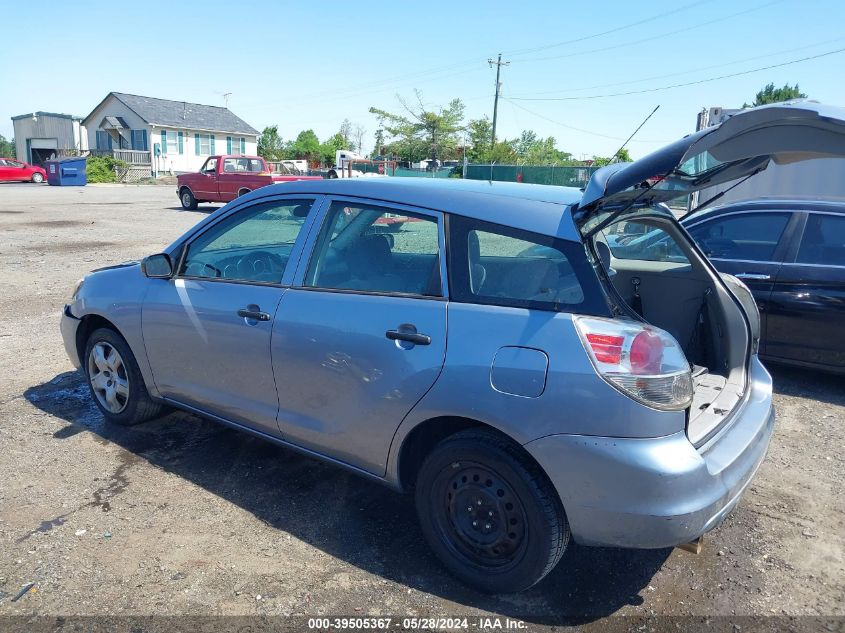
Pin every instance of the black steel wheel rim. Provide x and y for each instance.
(479, 516)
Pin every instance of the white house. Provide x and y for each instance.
(40, 136)
(174, 136)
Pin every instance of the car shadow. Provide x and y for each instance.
(351, 518)
(203, 208)
(807, 383)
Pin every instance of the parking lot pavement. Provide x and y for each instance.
(182, 516)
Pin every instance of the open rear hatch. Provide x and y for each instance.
(654, 272)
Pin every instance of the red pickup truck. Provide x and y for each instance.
(224, 178)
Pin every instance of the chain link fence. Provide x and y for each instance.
(535, 174)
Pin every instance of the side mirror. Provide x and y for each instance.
(157, 266)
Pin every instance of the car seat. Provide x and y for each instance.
(370, 263)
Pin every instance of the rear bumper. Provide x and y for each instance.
(658, 492)
(68, 326)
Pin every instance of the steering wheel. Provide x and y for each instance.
(718, 246)
(258, 262)
(199, 269)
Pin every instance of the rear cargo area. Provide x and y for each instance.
(657, 277)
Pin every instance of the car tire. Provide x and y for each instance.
(189, 203)
(243, 192)
(115, 381)
(489, 512)
(332, 174)
(37, 178)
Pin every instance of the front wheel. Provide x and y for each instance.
(189, 203)
(115, 380)
(489, 513)
(37, 178)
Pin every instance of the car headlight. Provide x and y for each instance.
(76, 289)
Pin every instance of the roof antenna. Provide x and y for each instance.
(226, 96)
(616, 155)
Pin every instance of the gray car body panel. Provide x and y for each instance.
(627, 473)
(658, 492)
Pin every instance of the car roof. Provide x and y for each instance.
(537, 208)
(832, 205)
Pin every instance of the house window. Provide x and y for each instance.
(235, 145)
(170, 142)
(103, 140)
(204, 144)
(139, 140)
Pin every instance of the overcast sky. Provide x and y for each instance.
(311, 64)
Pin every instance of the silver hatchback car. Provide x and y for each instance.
(489, 346)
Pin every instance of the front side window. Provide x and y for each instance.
(823, 242)
(493, 264)
(252, 245)
(210, 165)
(376, 249)
(746, 236)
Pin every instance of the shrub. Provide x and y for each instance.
(102, 168)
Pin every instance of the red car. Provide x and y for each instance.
(224, 178)
(15, 170)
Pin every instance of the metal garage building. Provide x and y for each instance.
(40, 136)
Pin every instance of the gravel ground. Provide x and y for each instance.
(182, 516)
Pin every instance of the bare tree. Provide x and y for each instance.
(358, 134)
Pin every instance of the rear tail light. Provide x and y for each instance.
(644, 362)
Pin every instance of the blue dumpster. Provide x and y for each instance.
(66, 172)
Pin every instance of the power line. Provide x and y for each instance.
(523, 51)
(654, 37)
(688, 71)
(681, 85)
(576, 129)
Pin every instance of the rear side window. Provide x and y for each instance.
(749, 236)
(498, 265)
(823, 242)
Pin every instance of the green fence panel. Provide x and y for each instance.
(535, 174)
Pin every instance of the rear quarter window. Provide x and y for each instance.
(498, 265)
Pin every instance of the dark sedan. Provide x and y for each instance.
(791, 254)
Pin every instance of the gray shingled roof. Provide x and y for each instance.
(192, 116)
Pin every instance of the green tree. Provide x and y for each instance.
(770, 94)
(7, 148)
(345, 133)
(329, 148)
(270, 144)
(423, 132)
(307, 146)
(622, 156)
(479, 132)
(379, 140)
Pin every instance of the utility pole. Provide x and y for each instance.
(498, 63)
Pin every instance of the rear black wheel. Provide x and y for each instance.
(490, 513)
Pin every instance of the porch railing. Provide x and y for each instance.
(131, 156)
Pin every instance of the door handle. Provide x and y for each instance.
(408, 332)
(254, 313)
(754, 276)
